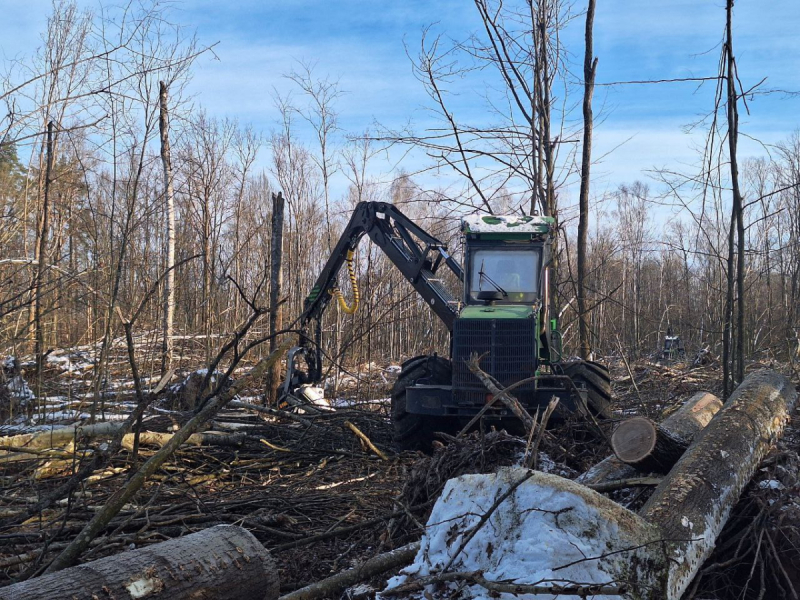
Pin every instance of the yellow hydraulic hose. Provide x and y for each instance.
(353, 283)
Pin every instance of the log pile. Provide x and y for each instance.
(591, 540)
(683, 423)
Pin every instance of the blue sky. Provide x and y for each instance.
(361, 44)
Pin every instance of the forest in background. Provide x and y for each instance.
(85, 236)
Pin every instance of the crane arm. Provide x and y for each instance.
(416, 254)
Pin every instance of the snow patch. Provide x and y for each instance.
(770, 484)
(548, 531)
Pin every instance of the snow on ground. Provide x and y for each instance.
(533, 537)
(72, 362)
(72, 415)
(19, 389)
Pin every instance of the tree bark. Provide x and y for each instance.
(169, 282)
(589, 71)
(693, 503)
(275, 285)
(686, 422)
(223, 562)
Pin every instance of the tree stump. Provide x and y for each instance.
(224, 563)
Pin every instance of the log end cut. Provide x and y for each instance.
(634, 439)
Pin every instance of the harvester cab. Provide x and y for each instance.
(501, 314)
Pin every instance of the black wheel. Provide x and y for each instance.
(411, 431)
(597, 380)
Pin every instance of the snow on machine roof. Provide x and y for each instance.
(506, 224)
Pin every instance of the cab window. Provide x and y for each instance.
(514, 273)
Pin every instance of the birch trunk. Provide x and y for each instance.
(169, 281)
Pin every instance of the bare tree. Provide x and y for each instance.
(169, 192)
(589, 72)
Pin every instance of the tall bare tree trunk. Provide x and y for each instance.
(589, 70)
(733, 142)
(42, 261)
(169, 282)
(275, 285)
(737, 222)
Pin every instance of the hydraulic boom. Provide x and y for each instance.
(417, 254)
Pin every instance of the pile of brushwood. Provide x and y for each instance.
(324, 491)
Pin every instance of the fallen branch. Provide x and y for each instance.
(362, 436)
(505, 587)
(510, 401)
(114, 504)
(621, 484)
(374, 566)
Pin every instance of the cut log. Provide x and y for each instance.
(154, 438)
(223, 563)
(59, 443)
(685, 422)
(553, 530)
(644, 445)
(695, 500)
(60, 436)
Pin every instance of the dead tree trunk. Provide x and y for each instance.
(41, 265)
(169, 282)
(223, 562)
(275, 285)
(589, 70)
(686, 422)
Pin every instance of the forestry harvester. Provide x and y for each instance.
(501, 313)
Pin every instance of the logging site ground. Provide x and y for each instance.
(356, 300)
(323, 501)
